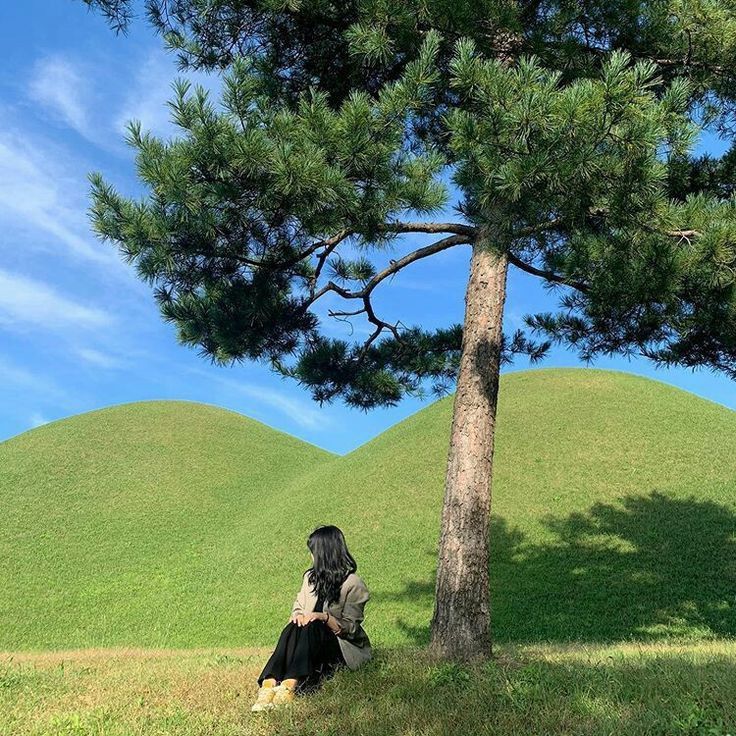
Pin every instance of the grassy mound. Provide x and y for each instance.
(178, 525)
(116, 524)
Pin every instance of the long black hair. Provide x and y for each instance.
(332, 562)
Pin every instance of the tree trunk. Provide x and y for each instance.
(462, 615)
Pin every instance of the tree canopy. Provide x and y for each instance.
(567, 128)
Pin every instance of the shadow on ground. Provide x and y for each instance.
(648, 567)
(665, 694)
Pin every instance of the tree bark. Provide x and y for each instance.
(462, 615)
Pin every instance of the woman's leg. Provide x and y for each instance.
(303, 656)
(317, 655)
(282, 655)
(299, 651)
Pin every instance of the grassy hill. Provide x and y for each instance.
(116, 524)
(177, 525)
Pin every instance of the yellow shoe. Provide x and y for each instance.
(264, 701)
(283, 696)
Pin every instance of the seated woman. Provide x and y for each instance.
(325, 631)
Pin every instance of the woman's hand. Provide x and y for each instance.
(307, 618)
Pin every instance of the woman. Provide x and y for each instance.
(325, 631)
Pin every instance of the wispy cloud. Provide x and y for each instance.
(17, 377)
(514, 319)
(58, 85)
(38, 420)
(10, 373)
(152, 88)
(98, 359)
(303, 412)
(25, 301)
(38, 194)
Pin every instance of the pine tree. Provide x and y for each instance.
(567, 128)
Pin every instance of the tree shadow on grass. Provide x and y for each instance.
(646, 567)
(666, 693)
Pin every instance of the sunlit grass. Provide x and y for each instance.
(545, 690)
(177, 525)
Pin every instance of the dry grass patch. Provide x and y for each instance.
(632, 689)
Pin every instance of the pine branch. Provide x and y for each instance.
(364, 294)
(429, 227)
(547, 275)
(390, 270)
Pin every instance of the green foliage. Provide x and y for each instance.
(698, 722)
(178, 525)
(568, 131)
(680, 314)
(534, 152)
(370, 42)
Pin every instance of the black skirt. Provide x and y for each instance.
(308, 654)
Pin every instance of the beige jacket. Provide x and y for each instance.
(354, 642)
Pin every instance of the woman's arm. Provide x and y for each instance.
(297, 609)
(353, 611)
(332, 623)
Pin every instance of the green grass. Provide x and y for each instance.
(115, 524)
(177, 525)
(636, 690)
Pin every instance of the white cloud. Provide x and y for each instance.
(58, 85)
(26, 301)
(10, 373)
(303, 413)
(306, 414)
(146, 100)
(38, 420)
(37, 195)
(14, 376)
(98, 358)
(514, 319)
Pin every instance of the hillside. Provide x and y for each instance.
(179, 525)
(115, 523)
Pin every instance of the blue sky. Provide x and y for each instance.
(77, 330)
